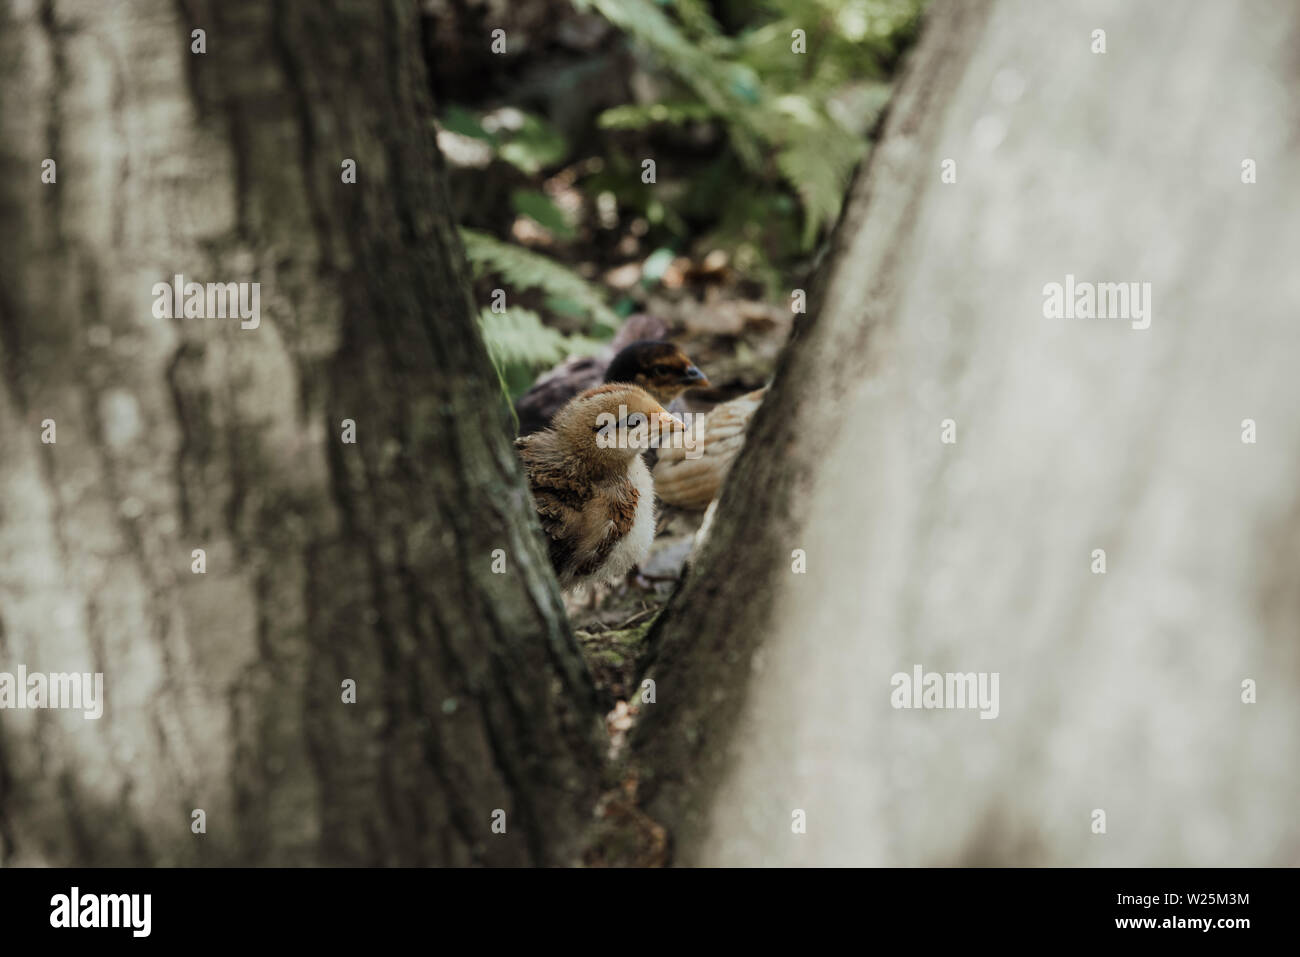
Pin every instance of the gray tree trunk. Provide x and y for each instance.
(325, 561)
(1120, 692)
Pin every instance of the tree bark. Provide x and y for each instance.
(1121, 691)
(326, 561)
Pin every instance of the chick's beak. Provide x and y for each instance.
(694, 377)
(668, 424)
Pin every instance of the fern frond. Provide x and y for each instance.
(813, 152)
(519, 337)
(729, 89)
(637, 117)
(525, 269)
(696, 17)
(816, 156)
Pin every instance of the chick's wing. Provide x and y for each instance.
(691, 478)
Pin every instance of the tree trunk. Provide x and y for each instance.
(1120, 691)
(325, 560)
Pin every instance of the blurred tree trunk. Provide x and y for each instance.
(1120, 692)
(325, 561)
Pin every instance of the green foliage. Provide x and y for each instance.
(847, 40)
(816, 156)
(695, 16)
(522, 139)
(772, 101)
(720, 85)
(520, 344)
(539, 207)
(525, 269)
(534, 146)
(518, 336)
(656, 264)
(462, 121)
(755, 145)
(636, 117)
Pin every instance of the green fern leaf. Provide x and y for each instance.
(525, 269)
(518, 336)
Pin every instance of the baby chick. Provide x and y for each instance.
(591, 488)
(659, 367)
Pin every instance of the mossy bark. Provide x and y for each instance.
(326, 561)
(1121, 692)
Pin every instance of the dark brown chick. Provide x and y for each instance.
(659, 367)
(591, 488)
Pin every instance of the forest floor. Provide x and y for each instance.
(735, 340)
